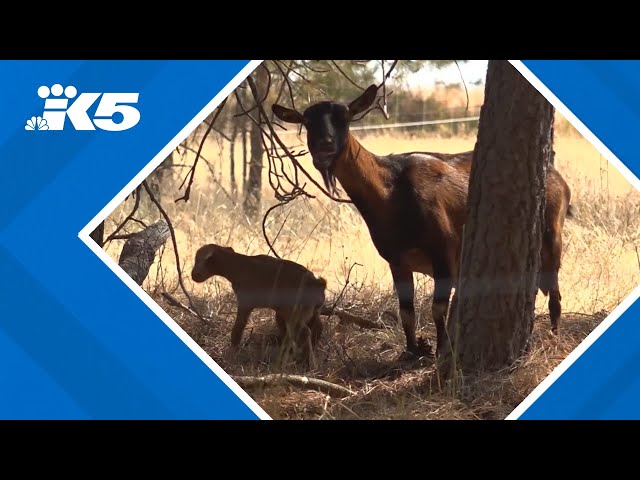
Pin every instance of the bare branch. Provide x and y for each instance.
(175, 246)
(128, 217)
(466, 109)
(347, 318)
(300, 381)
(192, 170)
(393, 65)
(266, 93)
(173, 301)
(215, 180)
(346, 76)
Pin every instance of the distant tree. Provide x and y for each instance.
(253, 187)
(493, 313)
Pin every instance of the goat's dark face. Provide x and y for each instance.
(206, 262)
(327, 125)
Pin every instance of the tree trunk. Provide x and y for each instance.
(244, 156)
(492, 316)
(252, 194)
(98, 234)
(232, 162)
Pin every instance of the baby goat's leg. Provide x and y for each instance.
(241, 322)
(281, 321)
(316, 327)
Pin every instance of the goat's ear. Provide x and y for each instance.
(287, 114)
(364, 101)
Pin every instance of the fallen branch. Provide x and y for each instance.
(300, 381)
(348, 318)
(139, 251)
(173, 301)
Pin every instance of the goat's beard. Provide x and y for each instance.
(328, 177)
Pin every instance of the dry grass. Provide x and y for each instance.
(600, 268)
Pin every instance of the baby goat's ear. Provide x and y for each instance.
(229, 249)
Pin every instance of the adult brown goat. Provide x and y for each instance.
(414, 205)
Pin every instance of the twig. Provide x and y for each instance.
(346, 76)
(384, 93)
(192, 171)
(124, 236)
(266, 93)
(393, 65)
(346, 284)
(264, 226)
(129, 217)
(296, 381)
(347, 318)
(175, 247)
(464, 84)
(213, 177)
(173, 301)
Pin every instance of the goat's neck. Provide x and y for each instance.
(230, 265)
(361, 174)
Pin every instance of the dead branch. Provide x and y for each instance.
(335, 64)
(213, 177)
(139, 251)
(266, 92)
(346, 283)
(285, 82)
(466, 109)
(264, 227)
(347, 318)
(299, 381)
(128, 217)
(173, 301)
(175, 247)
(192, 171)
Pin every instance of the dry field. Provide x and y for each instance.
(600, 268)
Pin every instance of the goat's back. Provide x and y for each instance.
(278, 283)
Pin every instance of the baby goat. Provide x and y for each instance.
(293, 292)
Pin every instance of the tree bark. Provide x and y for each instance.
(253, 191)
(493, 312)
(139, 250)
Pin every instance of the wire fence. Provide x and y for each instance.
(398, 125)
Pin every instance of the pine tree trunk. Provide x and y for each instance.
(492, 316)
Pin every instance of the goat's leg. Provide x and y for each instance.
(281, 321)
(242, 317)
(315, 324)
(403, 282)
(555, 307)
(548, 281)
(441, 293)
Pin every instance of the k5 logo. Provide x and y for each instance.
(57, 110)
